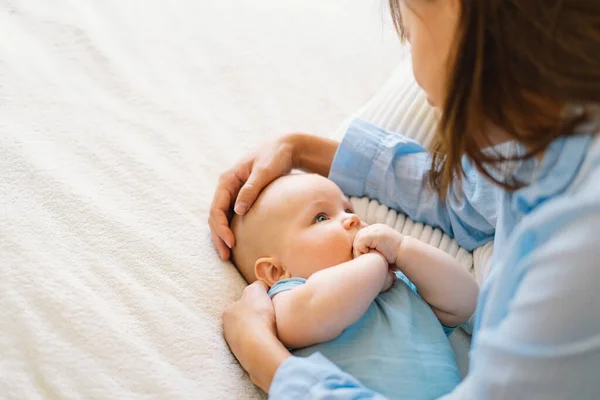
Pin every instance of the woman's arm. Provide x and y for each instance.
(368, 162)
(330, 301)
(313, 153)
(314, 378)
(391, 168)
(547, 346)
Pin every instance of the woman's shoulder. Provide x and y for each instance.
(561, 230)
(587, 181)
(571, 204)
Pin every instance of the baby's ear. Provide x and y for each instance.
(269, 270)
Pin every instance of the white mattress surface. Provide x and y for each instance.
(116, 118)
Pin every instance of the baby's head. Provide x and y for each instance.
(300, 224)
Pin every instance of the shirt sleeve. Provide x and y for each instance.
(315, 377)
(285, 285)
(548, 345)
(391, 168)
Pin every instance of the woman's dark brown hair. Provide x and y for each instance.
(526, 66)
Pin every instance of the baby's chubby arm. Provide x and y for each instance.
(331, 300)
(440, 279)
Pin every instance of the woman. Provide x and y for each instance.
(501, 70)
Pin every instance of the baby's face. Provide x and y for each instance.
(314, 224)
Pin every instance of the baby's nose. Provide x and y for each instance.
(352, 221)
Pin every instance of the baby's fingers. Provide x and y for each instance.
(357, 253)
(360, 246)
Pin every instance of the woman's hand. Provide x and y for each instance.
(242, 183)
(249, 329)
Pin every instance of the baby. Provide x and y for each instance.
(335, 291)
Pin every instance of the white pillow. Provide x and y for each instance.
(372, 212)
(401, 106)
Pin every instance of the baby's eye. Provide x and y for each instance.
(320, 218)
(349, 211)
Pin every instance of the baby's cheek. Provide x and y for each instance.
(316, 259)
(340, 251)
(307, 258)
(319, 251)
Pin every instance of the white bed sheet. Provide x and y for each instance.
(115, 119)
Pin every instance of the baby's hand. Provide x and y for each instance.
(381, 238)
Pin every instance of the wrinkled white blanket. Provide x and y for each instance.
(116, 118)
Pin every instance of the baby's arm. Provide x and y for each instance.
(330, 300)
(441, 281)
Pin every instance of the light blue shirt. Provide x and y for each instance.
(537, 324)
(397, 348)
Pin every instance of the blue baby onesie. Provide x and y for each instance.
(398, 347)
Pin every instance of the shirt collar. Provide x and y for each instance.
(552, 176)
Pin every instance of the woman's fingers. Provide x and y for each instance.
(271, 162)
(241, 186)
(228, 187)
(221, 246)
(254, 307)
(219, 218)
(221, 234)
(259, 178)
(257, 289)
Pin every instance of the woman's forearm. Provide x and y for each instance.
(263, 358)
(249, 329)
(313, 153)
